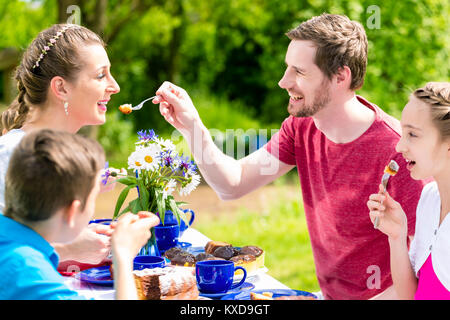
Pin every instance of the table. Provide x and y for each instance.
(261, 280)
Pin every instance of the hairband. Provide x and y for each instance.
(50, 44)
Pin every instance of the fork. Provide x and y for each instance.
(139, 106)
(393, 166)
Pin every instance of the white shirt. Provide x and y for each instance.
(430, 237)
(7, 144)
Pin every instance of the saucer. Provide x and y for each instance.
(246, 286)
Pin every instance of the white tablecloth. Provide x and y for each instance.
(260, 279)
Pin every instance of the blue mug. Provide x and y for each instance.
(216, 276)
(169, 218)
(166, 236)
(148, 262)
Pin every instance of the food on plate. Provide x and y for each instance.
(269, 296)
(172, 252)
(242, 258)
(253, 250)
(249, 257)
(225, 252)
(126, 108)
(202, 256)
(170, 283)
(211, 246)
(261, 296)
(184, 258)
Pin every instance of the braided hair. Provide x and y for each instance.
(61, 59)
(437, 96)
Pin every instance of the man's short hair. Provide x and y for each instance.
(47, 171)
(339, 41)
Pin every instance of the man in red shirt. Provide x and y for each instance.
(340, 144)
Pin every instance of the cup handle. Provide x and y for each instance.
(192, 215)
(243, 278)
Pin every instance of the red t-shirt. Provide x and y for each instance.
(351, 257)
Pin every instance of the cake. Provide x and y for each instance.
(249, 257)
(211, 246)
(170, 283)
(125, 108)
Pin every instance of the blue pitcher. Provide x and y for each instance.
(169, 218)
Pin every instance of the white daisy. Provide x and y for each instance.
(166, 145)
(169, 188)
(191, 185)
(150, 157)
(136, 161)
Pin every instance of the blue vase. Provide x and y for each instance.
(150, 249)
(169, 218)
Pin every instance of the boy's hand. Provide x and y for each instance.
(131, 232)
(392, 218)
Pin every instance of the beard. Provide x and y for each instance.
(320, 100)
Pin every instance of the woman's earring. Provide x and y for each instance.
(66, 108)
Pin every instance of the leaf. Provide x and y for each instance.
(179, 214)
(180, 203)
(128, 181)
(161, 205)
(143, 195)
(123, 195)
(135, 206)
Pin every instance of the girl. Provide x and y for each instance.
(424, 271)
(64, 83)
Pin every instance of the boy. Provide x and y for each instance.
(51, 186)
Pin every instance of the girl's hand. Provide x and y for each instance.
(392, 218)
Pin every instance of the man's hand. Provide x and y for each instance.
(176, 107)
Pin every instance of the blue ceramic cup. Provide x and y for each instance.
(169, 218)
(166, 236)
(216, 276)
(148, 262)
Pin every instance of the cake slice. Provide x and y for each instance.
(170, 283)
(211, 246)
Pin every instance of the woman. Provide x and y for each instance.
(64, 83)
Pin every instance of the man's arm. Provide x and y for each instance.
(229, 178)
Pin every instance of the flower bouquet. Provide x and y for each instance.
(156, 170)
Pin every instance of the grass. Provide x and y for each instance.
(280, 230)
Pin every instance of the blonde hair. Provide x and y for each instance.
(340, 42)
(437, 96)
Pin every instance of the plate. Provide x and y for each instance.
(98, 275)
(276, 293)
(246, 286)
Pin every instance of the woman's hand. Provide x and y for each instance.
(392, 218)
(176, 107)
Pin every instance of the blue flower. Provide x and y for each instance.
(187, 165)
(106, 173)
(143, 135)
